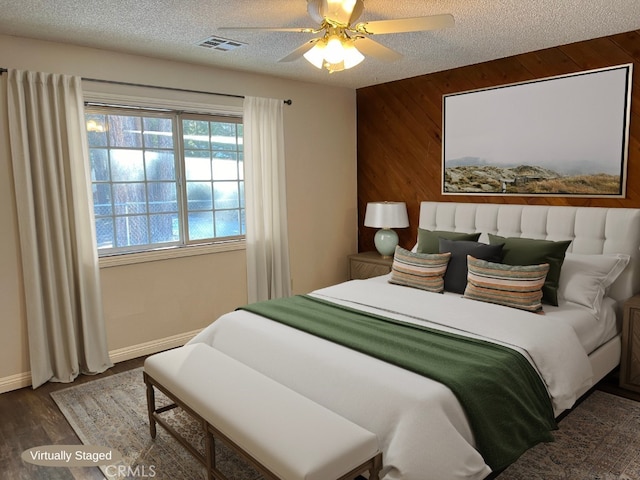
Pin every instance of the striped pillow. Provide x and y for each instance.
(419, 270)
(514, 286)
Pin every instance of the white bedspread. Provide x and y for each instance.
(422, 429)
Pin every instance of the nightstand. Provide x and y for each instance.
(368, 264)
(630, 361)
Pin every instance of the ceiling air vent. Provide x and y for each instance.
(220, 43)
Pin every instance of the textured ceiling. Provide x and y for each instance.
(171, 29)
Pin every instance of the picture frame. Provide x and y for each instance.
(565, 135)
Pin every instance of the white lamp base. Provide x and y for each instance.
(386, 240)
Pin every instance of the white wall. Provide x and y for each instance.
(147, 303)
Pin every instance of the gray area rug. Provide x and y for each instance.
(599, 440)
(112, 412)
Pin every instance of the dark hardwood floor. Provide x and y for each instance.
(30, 418)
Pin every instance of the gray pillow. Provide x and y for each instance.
(455, 278)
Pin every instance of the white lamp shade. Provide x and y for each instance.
(352, 56)
(334, 51)
(386, 215)
(315, 56)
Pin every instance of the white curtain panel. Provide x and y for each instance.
(55, 218)
(268, 274)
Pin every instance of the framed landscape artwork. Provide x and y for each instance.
(565, 135)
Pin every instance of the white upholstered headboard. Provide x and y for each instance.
(593, 230)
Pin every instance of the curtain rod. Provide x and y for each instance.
(174, 89)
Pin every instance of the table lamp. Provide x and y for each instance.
(386, 216)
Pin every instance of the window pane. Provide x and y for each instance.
(160, 165)
(131, 230)
(158, 132)
(99, 164)
(104, 232)
(96, 130)
(242, 196)
(125, 131)
(224, 169)
(163, 197)
(223, 136)
(200, 225)
(162, 228)
(227, 223)
(129, 198)
(225, 195)
(102, 199)
(197, 165)
(199, 196)
(127, 165)
(196, 134)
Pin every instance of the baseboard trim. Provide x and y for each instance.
(14, 382)
(148, 348)
(21, 380)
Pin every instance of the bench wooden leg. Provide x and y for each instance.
(210, 453)
(374, 473)
(373, 466)
(151, 406)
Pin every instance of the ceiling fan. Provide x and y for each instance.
(344, 43)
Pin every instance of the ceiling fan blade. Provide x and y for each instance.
(300, 51)
(402, 25)
(369, 47)
(275, 29)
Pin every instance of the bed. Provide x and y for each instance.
(422, 427)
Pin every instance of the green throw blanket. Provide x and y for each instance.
(506, 403)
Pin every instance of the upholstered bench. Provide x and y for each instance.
(283, 434)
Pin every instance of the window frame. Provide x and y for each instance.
(184, 180)
(202, 107)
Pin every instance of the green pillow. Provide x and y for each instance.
(429, 240)
(529, 251)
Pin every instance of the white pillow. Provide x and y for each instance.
(584, 279)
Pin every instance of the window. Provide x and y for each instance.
(163, 178)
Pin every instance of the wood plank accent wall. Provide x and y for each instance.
(400, 128)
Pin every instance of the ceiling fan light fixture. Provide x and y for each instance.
(315, 56)
(334, 67)
(334, 52)
(352, 55)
